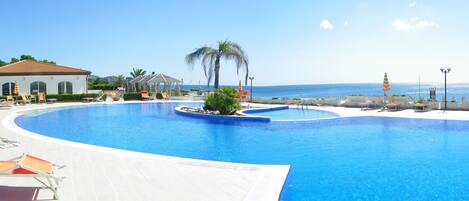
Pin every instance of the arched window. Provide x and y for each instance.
(8, 88)
(37, 87)
(65, 87)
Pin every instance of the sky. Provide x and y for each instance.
(288, 42)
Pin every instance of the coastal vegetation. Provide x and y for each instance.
(25, 57)
(224, 101)
(211, 57)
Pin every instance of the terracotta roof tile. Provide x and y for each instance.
(27, 67)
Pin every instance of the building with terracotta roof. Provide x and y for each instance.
(33, 77)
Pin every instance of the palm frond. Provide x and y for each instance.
(199, 52)
(227, 50)
(241, 61)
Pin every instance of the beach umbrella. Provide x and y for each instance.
(16, 89)
(386, 87)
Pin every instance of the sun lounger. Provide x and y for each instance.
(33, 167)
(153, 96)
(5, 104)
(41, 97)
(33, 98)
(88, 99)
(421, 107)
(144, 95)
(392, 106)
(369, 105)
(51, 100)
(165, 96)
(10, 99)
(24, 99)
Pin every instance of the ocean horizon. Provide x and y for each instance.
(346, 89)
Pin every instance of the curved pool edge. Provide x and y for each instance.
(267, 186)
(249, 112)
(244, 117)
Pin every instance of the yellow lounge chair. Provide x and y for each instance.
(165, 96)
(33, 167)
(24, 99)
(41, 97)
(10, 99)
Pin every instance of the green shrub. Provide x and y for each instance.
(138, 96)
(274, 98)
(103, 86)
(159, 95)
(224, 101)
(70, 97)
(132, 96)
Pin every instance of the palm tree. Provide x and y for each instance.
(211, 59)
(120, 80)
(137, 72)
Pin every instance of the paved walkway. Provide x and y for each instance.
(101, 174)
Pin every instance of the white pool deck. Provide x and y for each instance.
(101, 174)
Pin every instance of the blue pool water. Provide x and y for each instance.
(365, 158)
(293, 114)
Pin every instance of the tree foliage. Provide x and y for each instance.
(2, 63)
(120, 81)
(224, 101)
(210, 59)
(14, 60)
(137, 72)
(29, 57)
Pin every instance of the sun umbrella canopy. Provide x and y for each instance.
(16, 89)
(386, 85)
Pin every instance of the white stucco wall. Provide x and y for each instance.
(52, 82)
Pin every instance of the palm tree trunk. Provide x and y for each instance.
(217, 72)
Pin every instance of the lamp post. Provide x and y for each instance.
(445, 71)
(251, 78)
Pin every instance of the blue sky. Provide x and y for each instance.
(288, 42)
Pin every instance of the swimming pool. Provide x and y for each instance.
(363, 158)
(291, 114)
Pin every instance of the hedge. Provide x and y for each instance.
(103, 86)
(137, 96)
(71, 97)
(62, 97)
(132, 96)
(79, 97)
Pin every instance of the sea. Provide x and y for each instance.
(455, 91)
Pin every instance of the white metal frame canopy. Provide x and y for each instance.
(152, 82)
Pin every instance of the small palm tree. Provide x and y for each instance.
(137, 72)
(211, 59)
(120, 80)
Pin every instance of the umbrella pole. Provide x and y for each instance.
(384, 101)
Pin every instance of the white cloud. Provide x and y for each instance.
(413, 24)
(412, 4)
(401, 25)
(346, 23)
(326, 24)
(426, 24)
